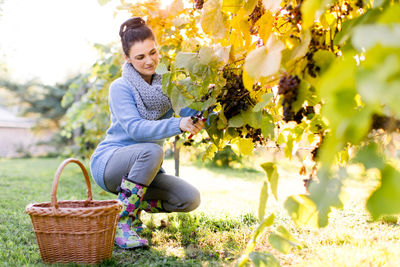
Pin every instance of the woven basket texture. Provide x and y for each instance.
(77, 231)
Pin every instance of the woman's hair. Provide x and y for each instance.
(134, 30)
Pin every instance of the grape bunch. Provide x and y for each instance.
(293, 14)
(258, 11)
(288, 87)
(234, 97)
(199, 4)
(249, 132)
(312, 69)
(386, 123)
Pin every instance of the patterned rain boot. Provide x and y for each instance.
(149, 206)
(131, 195)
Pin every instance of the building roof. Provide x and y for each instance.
(10, 120)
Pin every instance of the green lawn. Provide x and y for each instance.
(213, 235)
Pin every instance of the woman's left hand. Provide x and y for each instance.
(186, 125)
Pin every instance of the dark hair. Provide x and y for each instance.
(134, 30)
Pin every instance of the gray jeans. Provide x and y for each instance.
(142, 162)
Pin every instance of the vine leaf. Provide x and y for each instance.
(282, 240)
(312, 10)
(213, 21)
(231, 5)
(302, 210)
(264, 259)
(273, 176)
(266, 60)
(186, 60)
(370, 157)
(266, 98)
(265, 24)
(178, 100)
(263, 201)
(386, 199)
(325, 195)
(243, 146)
(236, 121)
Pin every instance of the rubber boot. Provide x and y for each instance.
(149, 206)
(131, 195)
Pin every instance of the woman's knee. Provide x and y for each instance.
(193, 200)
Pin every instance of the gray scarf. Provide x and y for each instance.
(151, 102)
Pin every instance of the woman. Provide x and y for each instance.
(128, 162)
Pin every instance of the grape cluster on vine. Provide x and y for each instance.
(249, 132)
(312, 69)
(235, 97)
(198, 4)
(258, 11)
(293, 14)
(384, 122)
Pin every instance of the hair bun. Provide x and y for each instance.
(131, 23)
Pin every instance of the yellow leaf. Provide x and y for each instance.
(266, 24)
(247, 81)
(231, 5)
(243, 146)
(213, 21)
(266, 60)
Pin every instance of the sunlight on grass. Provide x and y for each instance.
(217, 232)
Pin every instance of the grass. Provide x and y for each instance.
(213, 235)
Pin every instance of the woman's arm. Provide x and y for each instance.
(123, 108)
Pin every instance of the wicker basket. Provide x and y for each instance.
(79, 231)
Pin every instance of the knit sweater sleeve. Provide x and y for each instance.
(123, 109)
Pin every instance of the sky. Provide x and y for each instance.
(53, 39)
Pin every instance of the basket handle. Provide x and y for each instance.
(54, 203)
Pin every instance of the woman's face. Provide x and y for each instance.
(144, 58)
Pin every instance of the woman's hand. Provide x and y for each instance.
(186, 124)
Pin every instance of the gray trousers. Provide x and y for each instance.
(142, 163)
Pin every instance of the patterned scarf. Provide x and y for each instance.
(151, 102)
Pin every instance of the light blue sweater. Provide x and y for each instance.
(128, 127)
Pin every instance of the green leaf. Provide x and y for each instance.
(302, 210)
(266, 98)
(370, 156)
(386, 199)
(312, 10)
(161, 69)
(267, 126)
(325, 195)
(323, 59)
(349, 25)
(213, 21)
(262, 259)
(236, 121)
(178, 100)
(263, 201)
(186, 60)
(243, 146)
(210, 151)
(280, 243)
(206, 54)
(273, 176)
(266, 60)
(367, 36)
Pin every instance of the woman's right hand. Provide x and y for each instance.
(186, 124)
